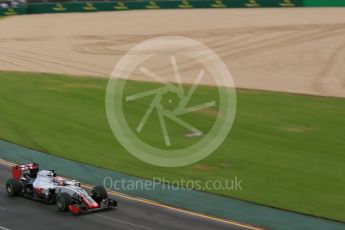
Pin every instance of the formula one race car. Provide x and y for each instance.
(46, 186)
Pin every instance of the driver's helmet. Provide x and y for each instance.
(48, 174)
(59, 180)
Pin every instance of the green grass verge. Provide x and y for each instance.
(287, 149)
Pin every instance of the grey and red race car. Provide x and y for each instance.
(28, 181)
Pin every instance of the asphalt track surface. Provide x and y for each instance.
(22, 213)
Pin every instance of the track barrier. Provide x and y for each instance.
(93, 6)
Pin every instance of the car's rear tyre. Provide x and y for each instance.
(63, 201)
(99, 193)
(13, 187)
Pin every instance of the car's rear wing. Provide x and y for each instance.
(17, 170)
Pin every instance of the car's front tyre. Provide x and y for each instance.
(63, 201)
(99, 194)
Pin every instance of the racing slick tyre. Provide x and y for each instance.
(99, 193)
(63, 201)
(13, 187)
